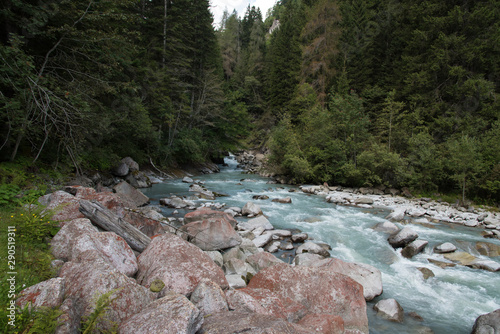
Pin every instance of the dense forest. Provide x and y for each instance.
(354, 93)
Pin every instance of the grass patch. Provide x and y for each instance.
(30, 259)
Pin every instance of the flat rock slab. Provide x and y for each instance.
(125, 190)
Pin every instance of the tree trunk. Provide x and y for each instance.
(107, 220)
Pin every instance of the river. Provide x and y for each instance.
(449, 302)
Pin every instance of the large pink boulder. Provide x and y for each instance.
(209, 298)
(212, 234)
(64, 205)
(179, 264)
(323, 323)
(62, 242)
(48, 293)
(320, 290)
(111, 247)
(368, 276)
(148, 226)
(91, 277)
(171, 314)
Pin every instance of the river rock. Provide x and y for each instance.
(179, 264)
(262, 240)
(240, 301)
(171, 314)
(363, 200)
(125, 190)
(216, 257)
(307, 259)
(212, 234)
(441, 264)
(386, 227)
(92, 277)
(286, 200)
(209, 298)
(389, 309)
(489, 265)
(446, 247)
(273, 247)
(235, 281)
(62, 242)
(263, 260)
(70, 319)
(145, 224)
(311, 247)
(251, 323)
(487, 323)
(397, 215)
(251, 209)
(110, 247)
(488, 249)
(187, 179)
(462, 258)
(426, 272)
(256, 223)
(248, 247)
(176, 203)
(235, 252)
(413, 248)
(319, 289)
(368, 276)
(299, 237)
(121, 170)
(132, 165)
(402, 238)
(48, 293)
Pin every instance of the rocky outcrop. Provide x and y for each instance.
(179, 264)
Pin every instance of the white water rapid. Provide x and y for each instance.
(449, 302)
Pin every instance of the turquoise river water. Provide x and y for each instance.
(449, 302)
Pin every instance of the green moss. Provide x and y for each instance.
(157, 285)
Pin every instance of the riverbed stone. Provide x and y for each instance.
(314, 248)
(300, 237)
(397, 215)
(403, 237)
(413, 248)
(284, 200)
(488, 249)
(307, 259)
(216, 256)
(262, 240)
(389, 309)
(251, 209)
(446, 247)
(462, 258)
(426, 272)
(323, 323)
(255, 223)
(263, 260)
(172, 309)
(125, 190)
(487, 323)
(386, 227)
(201, 214)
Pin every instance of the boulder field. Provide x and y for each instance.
(213, 274)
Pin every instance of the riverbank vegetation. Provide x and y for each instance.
(355, 93)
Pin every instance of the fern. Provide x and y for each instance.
(91, 322)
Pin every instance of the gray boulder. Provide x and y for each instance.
(386, 227)
(131, 164)
(413, 248)
(212, 234)
(251, 209)
(397, 215)
(209, 298)
(447, 247)
(307, 259)
(124, 189)
(403, 237)
(487, 323)
(389, 309)
(62, 242)
(311, 247)
(256, 223)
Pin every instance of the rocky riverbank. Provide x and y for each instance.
(211, 273)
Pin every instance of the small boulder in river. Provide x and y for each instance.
(389, 309)
(311, 247)
(403, 237)
(286, 200)
(251, 209)
(447, 247)
(386, 227)
(487, 323)
(413, 248)
(299, 237)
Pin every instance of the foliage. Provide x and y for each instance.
(92, 322)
